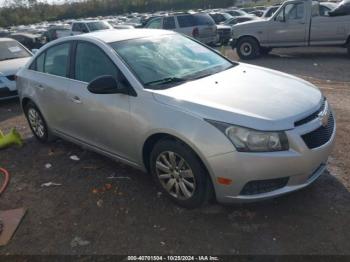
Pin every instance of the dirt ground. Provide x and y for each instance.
(131, 217)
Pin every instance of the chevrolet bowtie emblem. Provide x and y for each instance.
(324, 116)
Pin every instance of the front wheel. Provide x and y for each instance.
(248, 48)
(179, 173)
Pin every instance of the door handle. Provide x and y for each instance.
(76, 100)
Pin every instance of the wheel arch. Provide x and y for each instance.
(151, 141)
(249, 36)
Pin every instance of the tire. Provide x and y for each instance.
(181, 171)
(248, 48)
(37, 123)
(265, 50)
(349, 50)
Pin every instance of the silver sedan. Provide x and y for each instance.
(202, 125)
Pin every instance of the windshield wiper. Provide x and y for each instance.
(168, 80)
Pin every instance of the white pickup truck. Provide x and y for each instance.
(296, 23)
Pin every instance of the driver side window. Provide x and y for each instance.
(290, 12)
(294, 11)
(91, 62)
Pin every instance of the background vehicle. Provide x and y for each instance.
(296, 23)
(200, 26)
(236, 12)
(225, 33)
(88, 26)
(220, 17)
(12, 57)
(55, 32)
(30, 41)
(239, 19)
(270, 11)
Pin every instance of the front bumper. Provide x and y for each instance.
(233, 43)
(300, 166)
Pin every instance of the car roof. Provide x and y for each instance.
(5, 39)
(115, 35)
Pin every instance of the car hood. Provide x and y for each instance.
(10, 67)
(251, 24)
(246, 95)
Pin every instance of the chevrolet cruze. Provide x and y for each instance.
(202, 125)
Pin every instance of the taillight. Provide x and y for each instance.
(195, 32)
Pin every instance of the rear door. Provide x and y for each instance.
(290, 26)
(49, 79)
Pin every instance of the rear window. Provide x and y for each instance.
(185, 20)
(194, 20)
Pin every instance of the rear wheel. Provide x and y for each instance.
(248, 48)
(37, 123)
(180, 174)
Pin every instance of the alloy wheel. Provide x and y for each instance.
(175, 175)
(36, 122)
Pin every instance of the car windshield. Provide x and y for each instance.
(169, 60)
(12, 50)
(95, 26)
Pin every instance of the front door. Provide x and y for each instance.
(100, 120)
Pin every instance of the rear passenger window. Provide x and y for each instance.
(185, 20)
(56, 60)
(91, 62)
(169, 23)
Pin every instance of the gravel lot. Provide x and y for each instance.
(132, 218)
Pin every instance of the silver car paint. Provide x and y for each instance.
(94, 121)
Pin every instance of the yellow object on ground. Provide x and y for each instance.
(13, 137)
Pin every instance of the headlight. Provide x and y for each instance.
(250, 140)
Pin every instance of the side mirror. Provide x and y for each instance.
(106, 85)
(34, 51)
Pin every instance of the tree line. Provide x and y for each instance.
(21, 12)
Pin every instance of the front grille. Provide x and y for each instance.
(312, 116)
(5, 92)
(263, 186)
(11, 77)
(321, 135)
